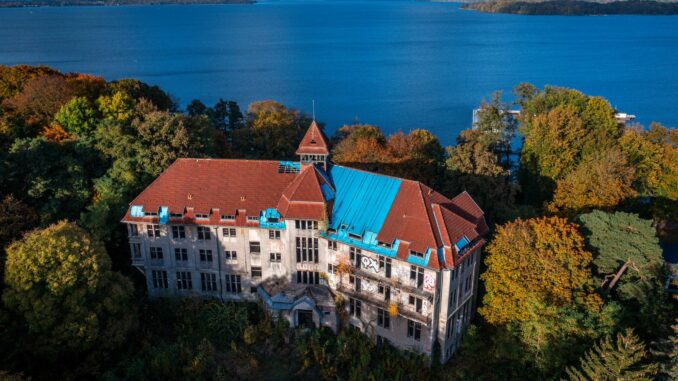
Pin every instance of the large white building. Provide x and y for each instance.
(320, 244)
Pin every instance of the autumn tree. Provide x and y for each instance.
(272, 131)
(540, 288)
(561, 127)
(622, 359)
(472, 167)
(60, 287)
(359, 143)
(16, 218)
(78, 118)
(603, 180)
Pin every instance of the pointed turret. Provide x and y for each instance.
(313, 148)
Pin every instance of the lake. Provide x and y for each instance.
(398, 64)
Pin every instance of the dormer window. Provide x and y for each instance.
(384, 244)
(355, 236)
(252, 218)
(416, 254)
(150, 213)
(202, 216)
(228, 217)
(176, 215)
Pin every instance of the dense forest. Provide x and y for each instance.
(572, 285)
(61, 3)
(576, 7)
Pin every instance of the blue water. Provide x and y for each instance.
(398, 64)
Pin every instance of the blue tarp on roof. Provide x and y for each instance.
(362, 200)
(136, 211)
(461, 243)
(163, 215)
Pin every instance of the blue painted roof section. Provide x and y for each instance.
(163, 215)
(419, 261)
(462, 243)
(362, 200)
(328, 193)
(137, 211)
(270, 219)
(291, 164)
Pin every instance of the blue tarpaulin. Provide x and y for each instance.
(461, 243)
(163, 215)
(136, 211)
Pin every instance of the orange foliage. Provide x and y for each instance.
(535, 267)
(55, 133)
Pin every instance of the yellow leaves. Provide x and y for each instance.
(534, 266)
(601, 181)
(393, 309)
(55, 132)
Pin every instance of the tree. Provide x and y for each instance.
(619, 239)
(473, 168)
(78, 118)
(655, 159)
(496, 127)
(603, 180)
(666, 351)
(624, 359)
(57, 183)
(540, 289)
(359, 143)
(16, 218)
(40, 98)
(59, 284)
(272, 131)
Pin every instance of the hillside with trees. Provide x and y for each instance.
(576, 7)
(572, 285)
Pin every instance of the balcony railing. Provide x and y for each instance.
(393, 282)
(370, 298)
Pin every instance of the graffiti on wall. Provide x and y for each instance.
(370, 264)
(429, 282)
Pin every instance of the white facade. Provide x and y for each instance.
(411, 307)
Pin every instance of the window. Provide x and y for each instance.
(156, 253)
(229, 232)
(176, 215)
(255, 247)
(153, 230)
(416, 254)
(450, 325)
(355, 256)
(414, 330)
(385, 264)
(159, 279)
(308, 277)
(233, 284)
(204, 233)
(136, 250)
(306, 224)
(206, 256)
(230, 254)
(181, 255)
(256, 272)
(184, 281)
(274, 234)
(253, 290)
(332, 245)
(252, 218)
(178, 232)
(417, 275)
(202, 216)
(133, 230)
(383, 318)
(307, 249)
(276, 257)
(385, 291)
(453, 299)
(208, 281)
(332, 269)
(228, 217)
(416, 302)
(358, 284)
(355, 307)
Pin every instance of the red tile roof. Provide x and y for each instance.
(313, 143)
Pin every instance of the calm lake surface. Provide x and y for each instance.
(397, 64)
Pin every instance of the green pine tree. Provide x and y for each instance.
(666, 352)
(623, 359)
